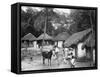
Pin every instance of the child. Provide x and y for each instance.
(73, 62)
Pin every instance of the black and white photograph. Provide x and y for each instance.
(57, 38)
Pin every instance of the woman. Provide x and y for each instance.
(57, 54)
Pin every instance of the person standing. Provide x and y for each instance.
(65, 55)
(57, 54)
(72, 61)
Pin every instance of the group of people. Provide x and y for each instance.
(68, 55)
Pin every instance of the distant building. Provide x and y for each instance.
(76, 41)
(29, 39)
(60, 38)
(47, 38)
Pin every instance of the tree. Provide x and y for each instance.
(81, 20)
(46, 15)
(27, 21)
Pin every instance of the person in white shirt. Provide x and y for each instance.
(72, 61)
(65, 55)
(57, 54)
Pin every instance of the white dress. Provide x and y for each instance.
(73, 61)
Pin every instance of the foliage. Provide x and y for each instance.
(82, 19)
(33, 21)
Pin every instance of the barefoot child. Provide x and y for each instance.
(72, 62)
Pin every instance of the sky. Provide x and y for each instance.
(62, 11)
(57, 10)
(26, 7)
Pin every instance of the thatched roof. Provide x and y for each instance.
(33, 38)
(29, 36)
(90, 41)
(62, 36)
(44, 36)
(76, 37)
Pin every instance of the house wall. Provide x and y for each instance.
(55, 43)
(81, 53)
(35, 44)
(60, 43)
(93, 55)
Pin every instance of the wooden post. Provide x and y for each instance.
(91, 51)
(76, 55)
